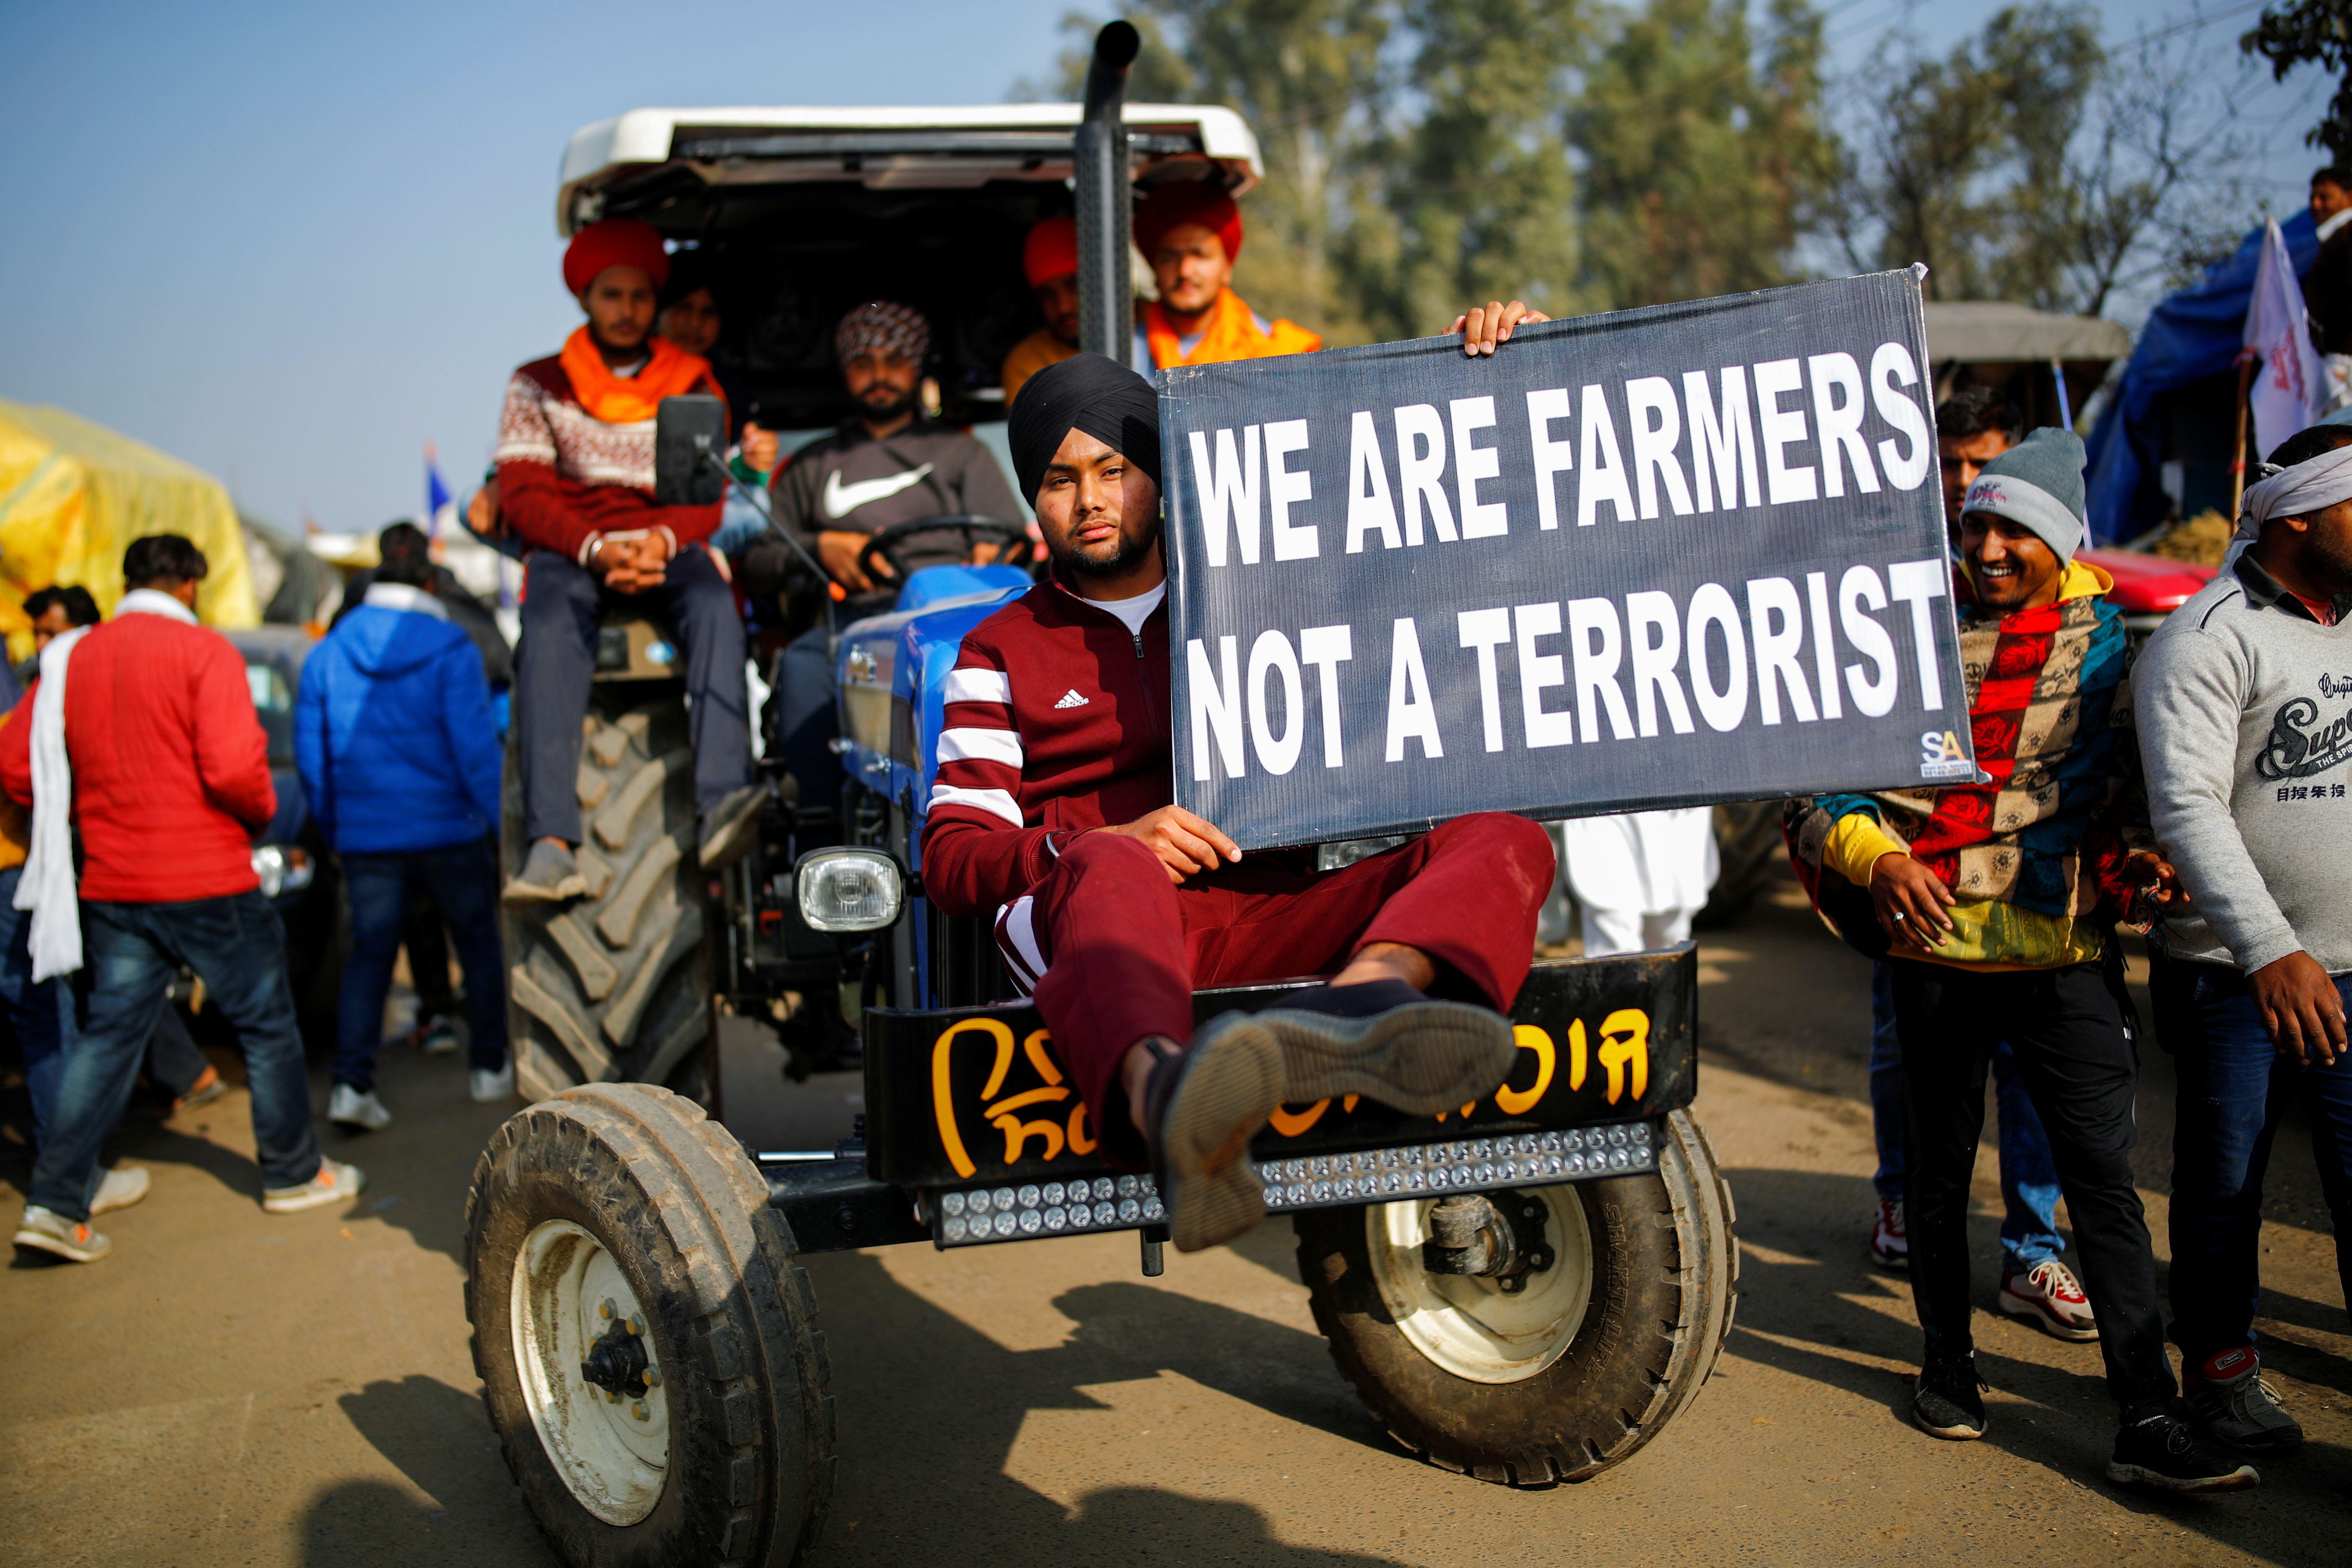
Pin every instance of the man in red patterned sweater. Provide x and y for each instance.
(575, 479)
(1053, 813)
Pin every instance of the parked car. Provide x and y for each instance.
(2148, 588)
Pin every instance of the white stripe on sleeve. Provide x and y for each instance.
(1016, 940)
(981, 746)
(979, 685)
(995, 802)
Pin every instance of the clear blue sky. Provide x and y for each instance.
(292, 244)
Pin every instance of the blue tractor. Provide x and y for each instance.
(1524, 1290)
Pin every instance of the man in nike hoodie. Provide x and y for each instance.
(399, 758)
(888, 464)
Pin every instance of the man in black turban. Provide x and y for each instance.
(1053, 813)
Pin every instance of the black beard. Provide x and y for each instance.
(2332, 563)
(884, 412)
(1130, 551)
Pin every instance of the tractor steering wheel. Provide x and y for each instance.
(974, 529)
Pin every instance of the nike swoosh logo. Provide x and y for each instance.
(841, 500)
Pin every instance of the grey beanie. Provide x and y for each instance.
(2037, 483)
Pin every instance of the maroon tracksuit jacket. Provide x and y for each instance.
(1058, 722)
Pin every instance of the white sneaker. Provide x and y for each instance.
(50, 1231)
(119, 1189)
(1890, 1244)
(334, 1183)
(349, 1107)
(2049, 1294)
(492, 1087)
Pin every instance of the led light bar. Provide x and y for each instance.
(969, 1217)
(1049, 1208)
(1471, 1165)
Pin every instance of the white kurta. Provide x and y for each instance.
(1639, 878)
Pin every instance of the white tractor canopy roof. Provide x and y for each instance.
(632, 161)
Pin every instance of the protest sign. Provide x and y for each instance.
(1661, 557)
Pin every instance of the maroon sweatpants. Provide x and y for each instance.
(1125, 948)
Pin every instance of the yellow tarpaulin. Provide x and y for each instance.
(73, 495)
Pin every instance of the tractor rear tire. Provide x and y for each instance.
(615, 1221)
(618, 986)
(1568, 1377)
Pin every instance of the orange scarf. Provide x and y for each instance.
(1230, 335)
(629, 399)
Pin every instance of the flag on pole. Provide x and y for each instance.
(440, 507)
(2292, 387)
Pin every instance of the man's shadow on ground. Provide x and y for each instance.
(1814, 1316)
(929, 1408)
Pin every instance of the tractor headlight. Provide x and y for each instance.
(848, 889)
(283, 871)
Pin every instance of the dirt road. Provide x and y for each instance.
(232, 1388)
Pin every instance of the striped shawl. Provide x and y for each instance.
(2050, 718)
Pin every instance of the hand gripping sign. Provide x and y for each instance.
(1661, 557)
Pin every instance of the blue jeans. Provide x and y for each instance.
(805, 721)
(39, 1015)
(2234, 1088)
(556, 661)
(2029, 1178)
(463, 882)
(130, 953)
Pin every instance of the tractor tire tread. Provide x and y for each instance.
(618, 986)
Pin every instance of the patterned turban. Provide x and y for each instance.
(880, 327)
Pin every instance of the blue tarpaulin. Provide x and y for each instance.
(2190, 335)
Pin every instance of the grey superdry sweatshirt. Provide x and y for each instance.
(2244, 708)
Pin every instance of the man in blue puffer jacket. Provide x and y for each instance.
(399, 758)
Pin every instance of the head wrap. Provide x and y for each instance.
(688, 270)
(1088, 393)
(879, 326)
(2298, 491)
(1188, 201)
(2039, 484)
(1051, 251)
(615, 242)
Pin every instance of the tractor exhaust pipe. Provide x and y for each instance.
(1105, 316)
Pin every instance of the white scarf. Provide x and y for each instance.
(47, 887)
(401, 597)
(2297, 492)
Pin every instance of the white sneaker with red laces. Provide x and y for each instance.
(1890, 1245)
(2049, 1294)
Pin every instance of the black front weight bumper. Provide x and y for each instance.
(974, 1133)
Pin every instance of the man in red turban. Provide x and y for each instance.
(1191, 232)
(575, 479)
(1049, 258)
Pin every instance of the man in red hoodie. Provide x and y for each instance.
(575, 477)
(168, 782)
(1053, 813)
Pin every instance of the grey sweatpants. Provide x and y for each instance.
(562, 605)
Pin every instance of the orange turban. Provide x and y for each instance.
(1189, 201)
(1051, 251)
(615, 242)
